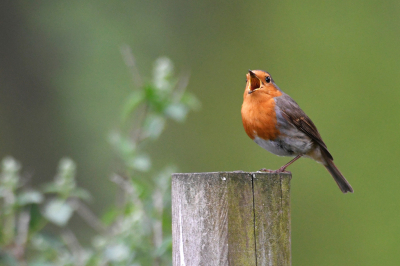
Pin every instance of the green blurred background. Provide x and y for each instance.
(63, 81)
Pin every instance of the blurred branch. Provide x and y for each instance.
(157, 223)
(181, 86)
(137, 130)
(23, 229)
(122, 183)
(130, 62)
(74, 246)
(127, 187)
(87, 215)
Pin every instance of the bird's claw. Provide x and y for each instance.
(278, 171)
(266, 170)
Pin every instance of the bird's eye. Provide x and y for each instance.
(268, 79)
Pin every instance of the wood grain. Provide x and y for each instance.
(231, 218)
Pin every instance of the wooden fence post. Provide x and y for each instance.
(231, 218)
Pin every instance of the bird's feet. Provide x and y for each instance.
(266, 170)
(280, 170)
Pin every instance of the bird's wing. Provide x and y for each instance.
(292, 112)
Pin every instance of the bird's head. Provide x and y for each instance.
(261, 82)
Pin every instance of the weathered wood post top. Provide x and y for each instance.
(231, 218)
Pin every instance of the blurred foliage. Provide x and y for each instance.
(137, 229)
(62, 83)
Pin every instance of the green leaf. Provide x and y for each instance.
(191, 101)
(141, 163)
(64, 181)
(110, 216)
(30, 197)
(154, 126)
(37, 220)
(163, 178)
(123, 145)
(156, 99)
(162, 73)
(81, 193)
(44, 242)
(10, 165)
(164, 247)
(58, 212)
(177, 112)
(133, 101)
(10, 173)
(118, 252)
(50, 188)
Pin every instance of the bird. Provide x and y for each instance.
(274, 121)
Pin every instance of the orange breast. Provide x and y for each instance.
(259, 117)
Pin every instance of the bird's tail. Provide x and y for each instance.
(337, 175)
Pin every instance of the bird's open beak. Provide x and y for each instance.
(254, 82)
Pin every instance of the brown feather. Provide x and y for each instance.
(293, 114)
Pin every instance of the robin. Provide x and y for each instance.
(276, 122)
